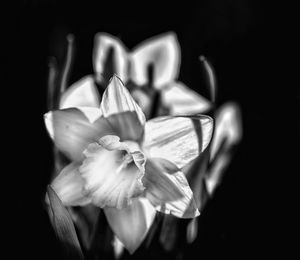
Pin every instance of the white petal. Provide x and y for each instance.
(228, 127)
(74, 128)
(103, 43)
(183, 101)
(117, 99)
(228, 133)
(123, 113)
(131, 224)
(109, 179)
(163, 52)
(82, 93)
(177, 139)
(168, 190)
(69, 186)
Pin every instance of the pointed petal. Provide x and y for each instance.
(103, 44)
(109, 181)
(177, 139)
(168, 190)
(122, 111)
(63, 226)
(183, 101)
(117, 99)
(163, 52)
(228, 133)
(74, 128)
(82, 93)
(131, 224)
(68, 186)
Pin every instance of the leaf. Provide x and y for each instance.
(63, 226)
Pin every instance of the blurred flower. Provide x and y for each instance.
(123, 164)
(151, 68)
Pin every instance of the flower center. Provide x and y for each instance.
(113, 171)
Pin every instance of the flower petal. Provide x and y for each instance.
(68, 185)
(74, 128)
(82, 93)
(109, 179)
(168, 190)
(103, 44)
(183, 101)
(132, 223)
(228, 133)
(177, 139)
(163, 52)
(122, 111)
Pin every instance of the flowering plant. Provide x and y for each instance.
(110, 157)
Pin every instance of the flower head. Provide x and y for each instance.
(125, 165)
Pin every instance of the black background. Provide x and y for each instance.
(236, 36)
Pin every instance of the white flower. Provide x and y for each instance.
(125, 165)
(162, 53)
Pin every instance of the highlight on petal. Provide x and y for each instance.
(131, 224)
(111, 176)
(183, 101)
(168, 190)
(117, 99)
(177, 139)
(163, 52)
(123, 113)
(228, 127)
(73, 129)
(82, 93)
(103, 44)
(228, 133)
(68, 186)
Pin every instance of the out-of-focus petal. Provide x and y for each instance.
(163, 52)
(82, 93)
(103, 44)
(132, 223)
(168, 190)
(122, 111)
(228, 133)
(68, 185)
(110, 179)
(177, 139)
(73, 129)
(183, 101)
(228, 127)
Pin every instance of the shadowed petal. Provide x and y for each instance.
(103, 44)
(183, 101)
(74, 128)
(168, 190)
(177, 139)
(110, 179)
(68, 185)
(82, 93)
(132, 223)
(163, 52)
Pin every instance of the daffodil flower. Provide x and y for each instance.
(161, 53)
(128, 167)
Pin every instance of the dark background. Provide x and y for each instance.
(236, 36)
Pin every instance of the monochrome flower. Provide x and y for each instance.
(124, 164)
(150, 68)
